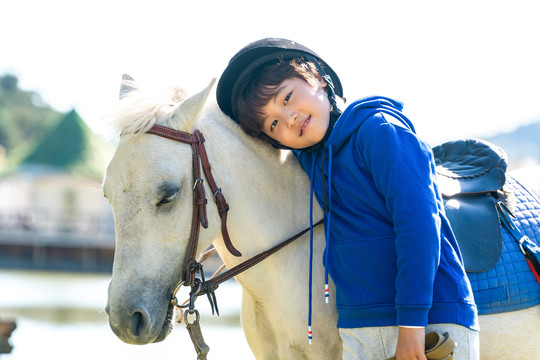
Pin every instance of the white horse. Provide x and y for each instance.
(149, 185)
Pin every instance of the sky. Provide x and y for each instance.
(463, 68)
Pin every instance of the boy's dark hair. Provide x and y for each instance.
(260, 86)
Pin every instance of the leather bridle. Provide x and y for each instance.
(196, 140)
(192, 266)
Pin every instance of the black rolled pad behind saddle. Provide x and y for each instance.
(469, 171)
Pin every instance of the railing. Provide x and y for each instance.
(39, 226)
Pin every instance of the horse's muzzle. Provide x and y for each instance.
(138, 327)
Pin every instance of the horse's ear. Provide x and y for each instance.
(127, 86)
(188, 110)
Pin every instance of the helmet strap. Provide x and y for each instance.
(329, 86)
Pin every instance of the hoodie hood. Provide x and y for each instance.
(363, 109)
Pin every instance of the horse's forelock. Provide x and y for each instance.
(138, 110)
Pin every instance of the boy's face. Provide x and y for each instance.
(298, 115)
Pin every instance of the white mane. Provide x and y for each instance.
(139, 110)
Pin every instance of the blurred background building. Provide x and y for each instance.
(52, 212)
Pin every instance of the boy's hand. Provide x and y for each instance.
(411, 344)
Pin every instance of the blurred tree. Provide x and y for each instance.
(23, 115)
(68, 146)
(33, 134)
(9, 82)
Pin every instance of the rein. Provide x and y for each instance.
(192, 266)
(213, 284)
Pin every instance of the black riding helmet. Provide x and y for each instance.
(260, 53)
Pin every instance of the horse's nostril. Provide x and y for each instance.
(139, 323)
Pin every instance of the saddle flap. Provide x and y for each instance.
(475, 222)
(469, 166)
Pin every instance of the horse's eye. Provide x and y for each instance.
(168, 199)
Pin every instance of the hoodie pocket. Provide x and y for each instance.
(364, 271)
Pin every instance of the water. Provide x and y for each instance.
(60, 316)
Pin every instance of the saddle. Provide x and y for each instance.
(470, 173)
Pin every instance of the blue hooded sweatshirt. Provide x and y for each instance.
(390, 249)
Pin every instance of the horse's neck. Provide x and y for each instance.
(269, 198)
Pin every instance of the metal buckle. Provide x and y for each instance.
(197, 181)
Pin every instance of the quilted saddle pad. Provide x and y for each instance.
(510, 284)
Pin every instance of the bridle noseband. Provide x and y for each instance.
(196, 140)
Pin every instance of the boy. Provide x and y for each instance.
(390, 249)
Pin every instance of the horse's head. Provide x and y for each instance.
(149, 185)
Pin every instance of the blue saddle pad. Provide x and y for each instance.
(510, 285)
